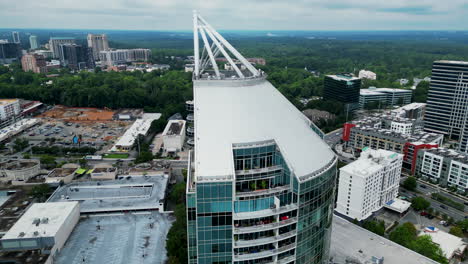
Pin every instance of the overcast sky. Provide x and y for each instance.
(237, 14)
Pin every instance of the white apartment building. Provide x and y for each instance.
(120, 56)
(368, 183)
(9, 108)
(367, 75)
(446, 167)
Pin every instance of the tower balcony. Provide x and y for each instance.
(264, 227)
(190, 131)
(264, 253)
(190, 118)
(265, 213)
(263, 240)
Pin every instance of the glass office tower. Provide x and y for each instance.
(261, 181)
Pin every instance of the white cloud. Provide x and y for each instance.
(236, 14)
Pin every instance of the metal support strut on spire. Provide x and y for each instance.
(218, 45)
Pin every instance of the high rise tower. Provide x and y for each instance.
(98, 43)
(261, 182)
(33, 42)
(447, 106)
(16, 37)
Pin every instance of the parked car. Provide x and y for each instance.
(423, 186)
(423, 213)
(443, 206)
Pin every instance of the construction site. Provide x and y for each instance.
(79, 114)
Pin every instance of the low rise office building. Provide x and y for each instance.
(343, 88)
(368, 183)
(446, 167)
(384, 97)
(44, 226)
(174, 136)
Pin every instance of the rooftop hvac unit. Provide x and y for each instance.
(36, 233)
(45, 220)
(21, 234)
(36, 221)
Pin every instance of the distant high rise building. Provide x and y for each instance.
(368, 183)
(34, 62)
(16, 37)
(98, 43)
(33, 42)
(76, 57)
(55, 42)
(9, 52)
(343, 88)
(447, 105)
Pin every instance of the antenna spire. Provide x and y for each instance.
(218, 45)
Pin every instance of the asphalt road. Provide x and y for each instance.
(452, 212)
(333, 137)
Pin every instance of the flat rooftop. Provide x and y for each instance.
(230, 112)
(350, 242)
(18, 164)
(54, 215)
(453, 62)
(370, 162)
(343, 77)
(128, 238)
(127, 193)
(16, 128)
(447, 242)
(174, 127)
(7, 101)
(140, 126)
(449, 153)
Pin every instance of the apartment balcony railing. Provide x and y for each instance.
(263, 191)
(265, 213)
(259, 170)
(263, 240)
(263, 254)
(286, 260)
(266, 227)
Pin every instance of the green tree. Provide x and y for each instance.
(419, 203)
(144, 156)
(404, 234)
(20, 144)
(177, 194)
(424, 246)
(41, 192)
(48, 161)
(410, 183)
(463, 225)
(377, 227)
(456, 231)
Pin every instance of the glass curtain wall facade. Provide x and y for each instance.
(447, 111)
(264, 215)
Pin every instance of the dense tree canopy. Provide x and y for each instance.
(156, 91)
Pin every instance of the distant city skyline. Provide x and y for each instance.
(237, 15)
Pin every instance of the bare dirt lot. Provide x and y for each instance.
(79, 114)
